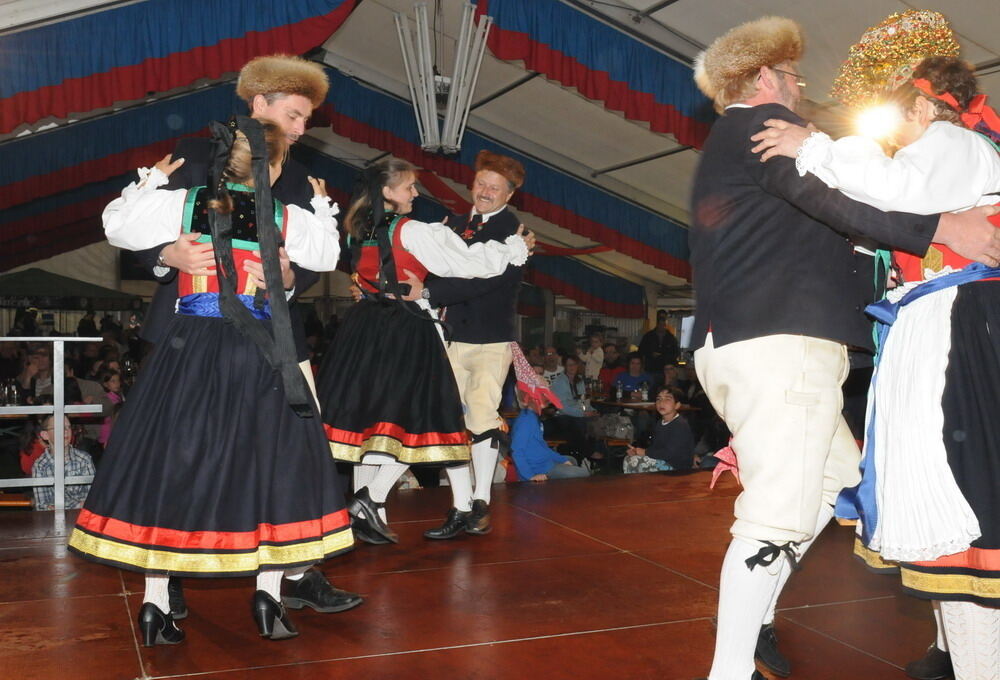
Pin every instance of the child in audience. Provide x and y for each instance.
(672, 446)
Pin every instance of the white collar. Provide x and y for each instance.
(486, 216)
(738, 106)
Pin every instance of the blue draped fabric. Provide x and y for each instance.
(207, 304)
(45, 152)
(129, 35)
(588, 286)
(600, 47)
(388, 114)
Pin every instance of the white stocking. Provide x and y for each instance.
(484, 464)
(270, 582)
(296, 573)
(942, 641)
(364, 473)
(460, 480)
(973, 633)
(825, 514)
(156, 592)
(744, 596)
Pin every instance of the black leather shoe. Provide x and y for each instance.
(454, 524)
(365, 511)
(933, 665)
(360, 530)
(158, 628)
(271, 618)
(478, 521)
(313, 590)
(767, 652)
(178, 605)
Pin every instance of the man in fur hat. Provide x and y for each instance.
(481, 314)
(779, 303)
(285, 90)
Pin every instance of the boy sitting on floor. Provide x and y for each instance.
(672, 445)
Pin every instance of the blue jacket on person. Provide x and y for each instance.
(532, 455)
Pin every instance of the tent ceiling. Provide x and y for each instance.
(558, 126)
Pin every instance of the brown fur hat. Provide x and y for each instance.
(285, 74)
(738, 54)
(511, 169)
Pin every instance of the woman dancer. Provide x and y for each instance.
(386, 389)
(930, 498)
(217, 465)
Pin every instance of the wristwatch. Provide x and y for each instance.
(425, 294)
(160, 262)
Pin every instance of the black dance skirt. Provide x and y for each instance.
(386, 386)
(208, 471)
(970, 404)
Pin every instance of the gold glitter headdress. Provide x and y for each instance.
(886, 55)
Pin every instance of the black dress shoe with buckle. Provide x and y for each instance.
(935, 664)
(178, 605)
(478, 521)
(767, 652)
(365, 511)
(313, 590)
(454, 524)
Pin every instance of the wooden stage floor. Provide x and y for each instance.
(609, 577)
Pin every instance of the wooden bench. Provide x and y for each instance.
(15, 500)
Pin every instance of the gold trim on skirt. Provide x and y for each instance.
(951, 584)
(152, 559)
(871, 558)
(450, 453)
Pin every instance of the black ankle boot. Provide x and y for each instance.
(935, 664)
(478, 521)
(767, 652)
(158, 628)
(271, 618)
(178, 605)
(453, 525)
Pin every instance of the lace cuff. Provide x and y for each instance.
(812, 152)
(325, 209)
(151, 178)
(518, 250)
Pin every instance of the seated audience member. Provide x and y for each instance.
(11, 360)
(611, 368)
(535, 354)
(111, 381)
(570, 422)
(77, 464)
(552, 363)
(593, 357)
(669, 377)
(31, 445)
(632, 380)
(35, 379)
(533, 458)
(672, 444)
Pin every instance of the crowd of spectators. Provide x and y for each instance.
(600, 383)
(94, 373)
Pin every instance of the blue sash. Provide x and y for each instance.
(207, 304)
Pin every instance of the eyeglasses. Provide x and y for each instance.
(799, 80)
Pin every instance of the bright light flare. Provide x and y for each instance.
(878, 122)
